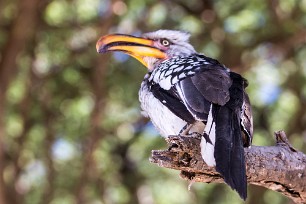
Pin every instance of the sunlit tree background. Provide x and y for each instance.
(71, 129)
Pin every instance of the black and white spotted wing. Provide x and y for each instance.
(197, 81)
(206, 87)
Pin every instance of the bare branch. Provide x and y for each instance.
(280, 168)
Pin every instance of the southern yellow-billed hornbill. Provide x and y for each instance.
(185, 92)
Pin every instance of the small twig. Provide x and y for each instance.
(281, 139)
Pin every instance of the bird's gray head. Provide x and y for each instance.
(150, 49)
(173, 42)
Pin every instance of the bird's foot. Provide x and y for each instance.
(185, 130)
(195, 135)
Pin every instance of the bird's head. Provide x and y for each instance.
(151, 48)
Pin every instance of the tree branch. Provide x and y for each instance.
(280, 168)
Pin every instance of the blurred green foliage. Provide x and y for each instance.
(74, 132)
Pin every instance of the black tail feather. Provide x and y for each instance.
(229, 152)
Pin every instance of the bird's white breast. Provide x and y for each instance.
(162, 118)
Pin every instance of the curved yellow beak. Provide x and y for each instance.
(135, 46)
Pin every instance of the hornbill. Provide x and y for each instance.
(187, 93)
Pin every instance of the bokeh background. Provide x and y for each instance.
(70, 124)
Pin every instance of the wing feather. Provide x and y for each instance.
(197, 105)
(213, 84)
(170, 99)
(199, 91)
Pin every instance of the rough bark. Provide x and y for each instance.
(280, 168)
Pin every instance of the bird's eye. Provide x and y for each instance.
(165, 42)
